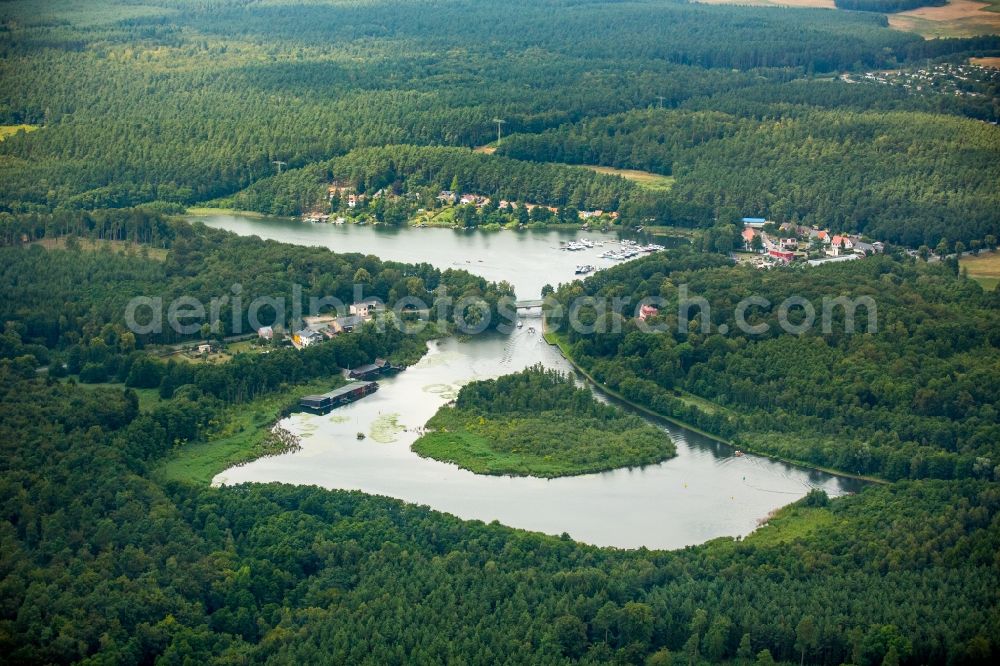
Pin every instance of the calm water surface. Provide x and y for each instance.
(703, 493)
(527, 259)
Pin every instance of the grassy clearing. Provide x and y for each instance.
(208, 211)
(984, 269)
(994, 63)
(444, 218)
(241, 439)
(11, 130)
(118, 247)
(149, 398)
(645, 179)
(791, 523)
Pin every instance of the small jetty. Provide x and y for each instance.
(338, 397)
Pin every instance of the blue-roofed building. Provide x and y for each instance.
(754, 222)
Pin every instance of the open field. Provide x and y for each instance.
(985, 62)
(158, 254)
(11, 130)
(984, 269)
(488, 149)
(959, 18)
(646, 179)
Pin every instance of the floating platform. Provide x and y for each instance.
(338, 397)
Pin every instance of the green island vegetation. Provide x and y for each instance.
(912, 397)
(114, 548)
(539, 423)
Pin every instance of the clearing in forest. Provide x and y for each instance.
(11, 130)
(984, 268)
(646, 179)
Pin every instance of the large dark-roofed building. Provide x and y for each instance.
(337, 397)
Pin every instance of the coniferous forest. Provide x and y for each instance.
(116, 116)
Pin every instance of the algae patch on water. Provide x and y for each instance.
(385, 428)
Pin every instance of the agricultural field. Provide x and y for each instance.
(959, 18)
(993, 63)
(984, 269)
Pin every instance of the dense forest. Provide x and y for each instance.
(102, 561)
(539, 423)
(836, 169)
(99, 562)
(184, 103)
(116, 115)
(415, 168)
(911, 397)
(71, 312)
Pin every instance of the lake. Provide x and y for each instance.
(527, 259)
(706, 491)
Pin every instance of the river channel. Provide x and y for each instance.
(706, 491)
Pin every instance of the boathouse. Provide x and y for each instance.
(372, 370)
(338, 397)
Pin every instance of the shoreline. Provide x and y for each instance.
(417, 223)
(552, 340)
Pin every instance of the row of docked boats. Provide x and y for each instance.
(629, 250)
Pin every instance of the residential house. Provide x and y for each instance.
(839, 244)
(447, 196)
(474, 199)
(339, 188)
(347, 324)
(647, 311)
(366, 309)
(305, 337)
(749, 233)
(265, 333)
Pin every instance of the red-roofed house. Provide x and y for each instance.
(783, 255)
(646, 311)
(839, 243)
